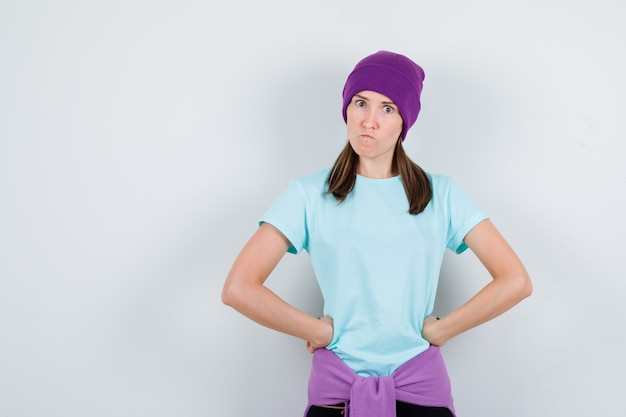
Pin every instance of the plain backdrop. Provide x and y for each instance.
(140, 141)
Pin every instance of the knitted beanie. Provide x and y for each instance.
(392, 75)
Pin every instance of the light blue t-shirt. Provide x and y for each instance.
(377, 265)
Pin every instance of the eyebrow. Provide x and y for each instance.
(367, 99)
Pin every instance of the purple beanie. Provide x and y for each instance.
(390, 74)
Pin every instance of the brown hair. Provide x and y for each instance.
(415, 181)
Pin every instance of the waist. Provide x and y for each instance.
(422, 380)
(377, 355)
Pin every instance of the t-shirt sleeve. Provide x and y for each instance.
(288, 214)
(464, 215)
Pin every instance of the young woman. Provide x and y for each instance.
(376, 226)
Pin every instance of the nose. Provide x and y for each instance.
(369, 120)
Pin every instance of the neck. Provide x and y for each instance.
(368, 169)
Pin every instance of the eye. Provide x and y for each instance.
(388, 109)
(359, 103)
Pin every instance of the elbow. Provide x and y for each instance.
(525, 286)
(528, 288)
(516, 285)
(230, 294)
(237, 293)
(227, 295)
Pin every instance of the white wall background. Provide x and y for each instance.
(141, 140)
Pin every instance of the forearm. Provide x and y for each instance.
(497, 297)
(263, 306)
(509, 286)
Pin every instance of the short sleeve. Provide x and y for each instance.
(464, 215)
(288, 214)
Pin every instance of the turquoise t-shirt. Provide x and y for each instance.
(377, 265)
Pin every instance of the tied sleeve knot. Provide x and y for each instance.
(372, 396)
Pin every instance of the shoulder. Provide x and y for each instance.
(439, 182)
(314, 182)
(316, 177)
(447, 188)
(307, 188)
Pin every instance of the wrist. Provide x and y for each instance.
(434, 330)
(325, 331)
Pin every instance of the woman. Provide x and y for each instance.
(376, 227)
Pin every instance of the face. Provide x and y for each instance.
(374, 126)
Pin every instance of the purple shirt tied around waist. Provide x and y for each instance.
(422, 380)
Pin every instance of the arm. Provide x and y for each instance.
(510, 284)
(244, 290)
